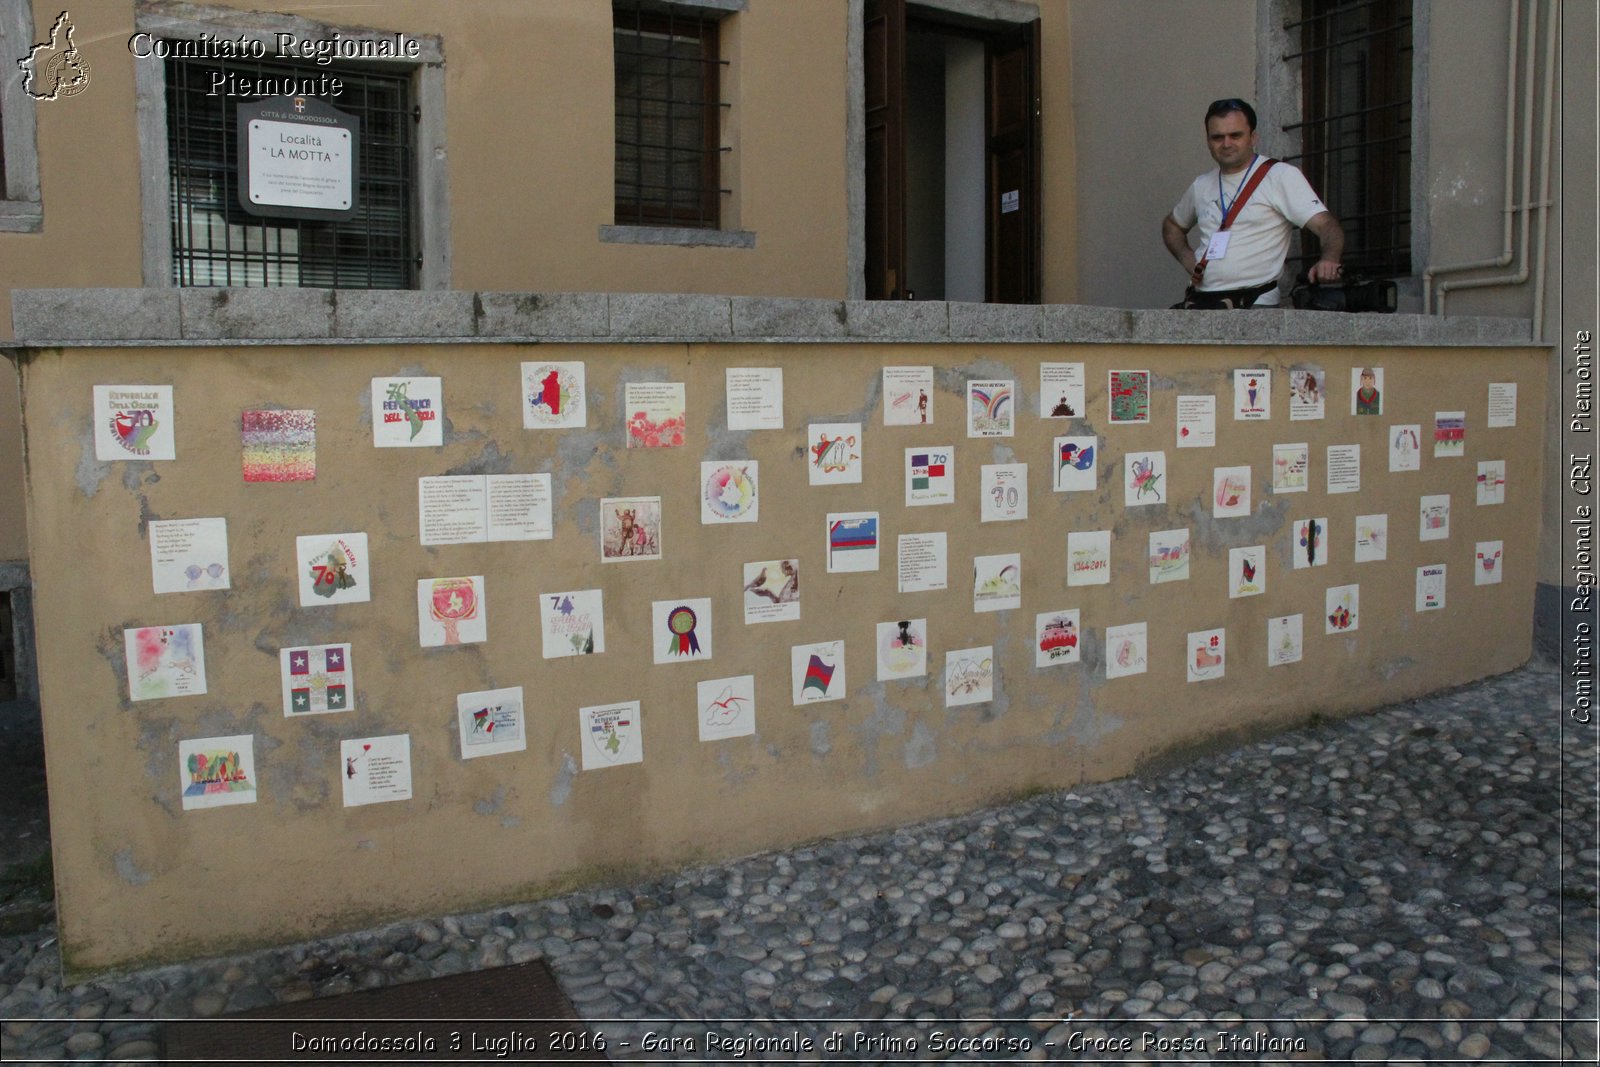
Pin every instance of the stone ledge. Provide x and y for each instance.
(121, 317)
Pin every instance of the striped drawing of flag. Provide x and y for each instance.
(818, 675)
(853, 534)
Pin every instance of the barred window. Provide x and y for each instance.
(216, 242)
(1356, 125)
(668, 116)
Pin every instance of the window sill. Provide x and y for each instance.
(683, 236)
(21, 216)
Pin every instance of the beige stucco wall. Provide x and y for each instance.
(134, 872)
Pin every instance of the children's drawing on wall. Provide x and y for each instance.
(1342, 607)
(1430, 587)
(376, 769)
(1291, 468)
(279, 446)
(656, 414)
(317, 679)
(1247, 571)
(1344, 468)
(630, 529)
(1230, 492)
(930, 476)
(451, 611)
(1144, 479)
(681, 629)
(491, 722)
(969, 676)
(1089, 557)
(553, 396)
(1129, 396)
(133, 422)
(902, 649)
(1285, 639)
(1061, 390)
(852, 542)
(1366, 390)
(728, 492)
(727, 707)
(189, 554)
(1127, 650)
(1435, 514)
(1003, 495)
(907, 396)
(1307, 394)
(1074, 464)
(1405, 448)
(1309, 545)
(817, 672)
(997, 582)
(1252, 394)
(755, 398)
(165, 661)
(1197, 421)
(834, 451)
(214, 772)
(333, 569)
(772, 590)
(1056, 638)
(1491, 482)
(572, 623)
(1449, 434)
(1208, 655)
(1487, 555)
(1169, 556)
(991, 408)
(407, 412)
(614, 735)
(923, 562)
(1372, 538)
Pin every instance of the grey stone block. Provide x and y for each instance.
(256, 314)
(1498, 330)
(390, 313)
(541, 314)
(766, 316)
(996, 322)
(899, 320)
(1315, 328)
(1203, 327)
(94, 314)
(1077, 322)
(669, 315)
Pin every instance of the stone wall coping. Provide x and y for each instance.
(95, 318)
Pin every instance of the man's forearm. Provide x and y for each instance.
(1330, 235)
(1176, 238)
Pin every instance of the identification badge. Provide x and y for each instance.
(1218, 247)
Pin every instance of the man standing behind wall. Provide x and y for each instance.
(1238, 265)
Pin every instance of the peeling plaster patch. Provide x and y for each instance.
(1002, 454)
(774, 751)
(305, 776)
(921, 750)
(885, 720)
(290, 626)
(731, 774)
(820, 744)
(510, 822)
(158, 740)
(573, 461)
(492, 805)
(137, 474)
(113, 648)
(1394, 668)
(561, 788)
(586, 516)
(366, 843)
(1219, 535)
(146, 516)
(91, 471)
(127, 870)
(1161, 383)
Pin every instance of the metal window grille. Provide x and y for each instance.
(668, 116)
(216, 242)
(1356, 125)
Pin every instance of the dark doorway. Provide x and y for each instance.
(952, 158)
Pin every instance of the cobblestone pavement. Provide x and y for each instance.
(1414, 884)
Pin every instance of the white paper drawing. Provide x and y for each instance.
(407, 412)
(375, 770)
(189, 554)
(134, 422)
(969, 676)
(491, 722)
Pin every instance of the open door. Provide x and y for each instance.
(1014, 216)
(884, 68)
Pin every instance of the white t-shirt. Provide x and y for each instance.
(1258, 240)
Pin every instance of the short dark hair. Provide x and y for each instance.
(1228, 106)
